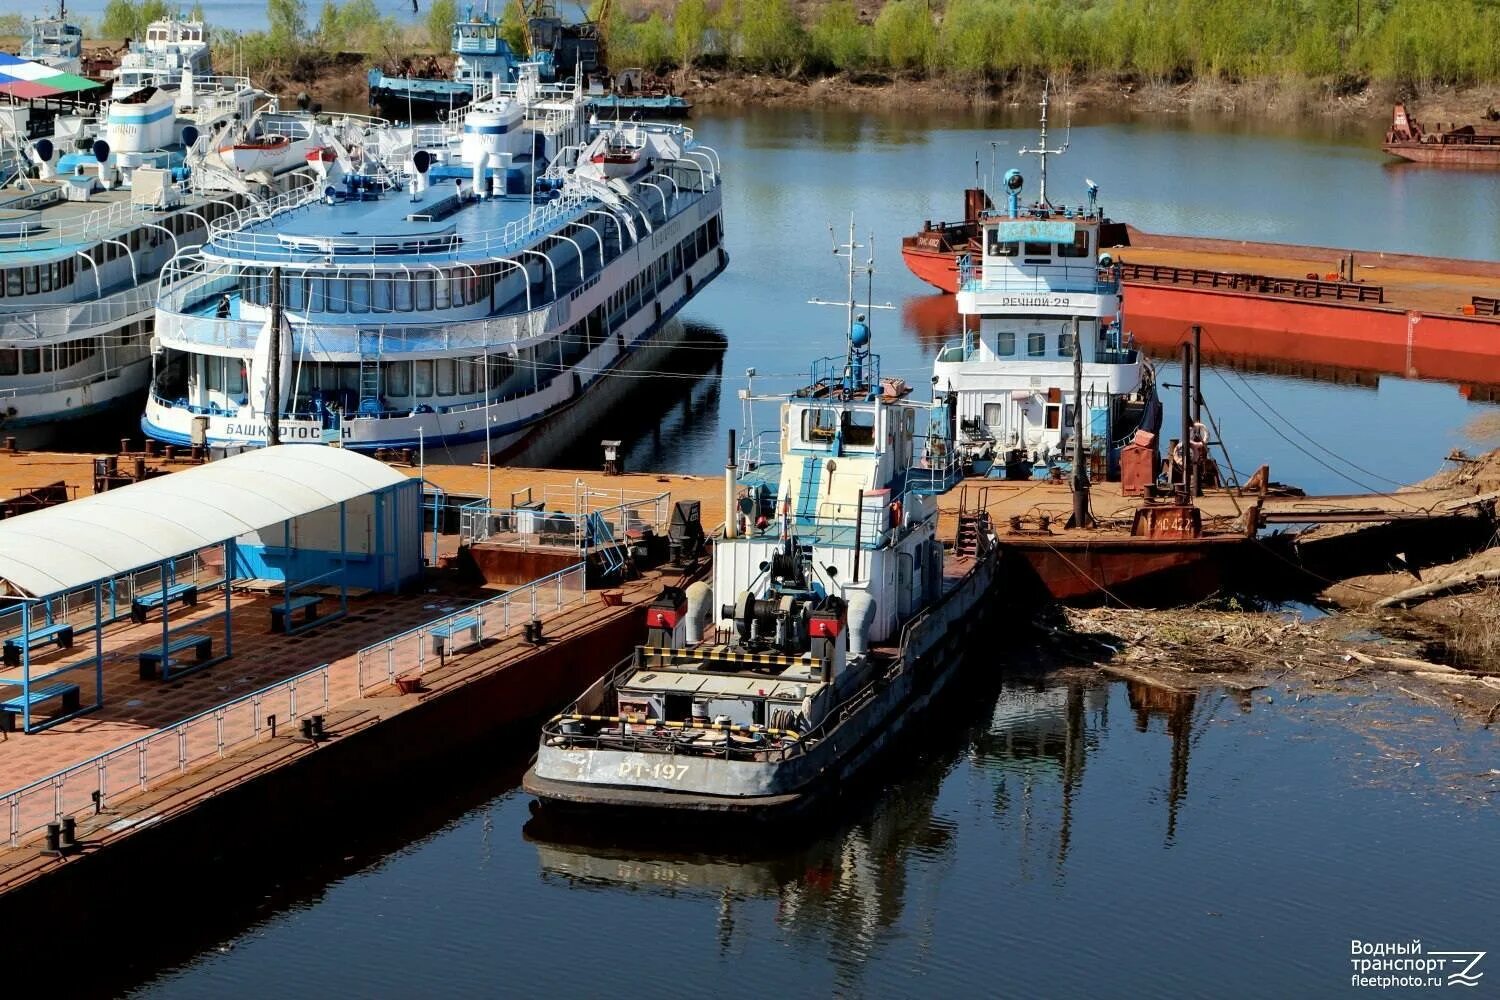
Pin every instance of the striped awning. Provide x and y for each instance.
(26, 80)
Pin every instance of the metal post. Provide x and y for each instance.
(859, 524)
(1183, 450)
(98, 645)
(26, 666)
(729, 469)
(273, 382)
(1198, 404)
(229, 558)
(1080, 518)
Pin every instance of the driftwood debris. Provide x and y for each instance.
(1448, 585)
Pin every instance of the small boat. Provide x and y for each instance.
(618, 156)
(1456, 145)
(266, 153)
(835, 618)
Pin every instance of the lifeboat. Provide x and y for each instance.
(267, 153)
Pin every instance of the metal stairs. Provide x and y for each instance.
(369, 384)
(602, 538)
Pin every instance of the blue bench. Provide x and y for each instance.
(441, 634)
(151, 659)
(187, 593)
(61, 633)
(282, 610)
(12, 707)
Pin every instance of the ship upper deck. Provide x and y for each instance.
(39, 225)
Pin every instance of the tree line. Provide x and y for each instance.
(1415, 42)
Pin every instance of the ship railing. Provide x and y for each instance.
(87, 228)
(158, 757)
(365, 340)
(263, 242)
(286, 201)
(582, 527)
(935, 465)
(1045, 279)
(21, 326)
(763, 449)
(413, 653)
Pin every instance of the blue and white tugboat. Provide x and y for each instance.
(834, 618)
(483, 64)
(1040, 290)
(459, 286)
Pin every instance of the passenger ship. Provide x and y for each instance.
(1040, 290)
(173, 48)
(54, 42)
(452, 285)
(834, 618)
(90, 217)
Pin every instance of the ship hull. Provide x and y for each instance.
(1139, 571)
(939, 268)
(652, 788)
(1445, 154)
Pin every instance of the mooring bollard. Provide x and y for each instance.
(54, 838)
(69, 840)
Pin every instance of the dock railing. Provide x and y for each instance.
(565, 517)
(412, 652)
(1260, 284)
(166, 753)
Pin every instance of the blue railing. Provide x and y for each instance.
(1044, 280)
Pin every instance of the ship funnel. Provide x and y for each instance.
(1013, 184)
(861, 611)
(699, 608)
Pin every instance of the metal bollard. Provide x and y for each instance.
(54, 838)
(307, 730)
(536, 630)
(318, 733)
(69, 841)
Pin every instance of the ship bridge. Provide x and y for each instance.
(1043, 264)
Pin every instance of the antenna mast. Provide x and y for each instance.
(1042, 152)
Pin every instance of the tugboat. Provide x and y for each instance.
(1038, 290)
(834, 618)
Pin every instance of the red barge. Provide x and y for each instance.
(1455, 146)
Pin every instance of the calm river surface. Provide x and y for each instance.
(1052, 839)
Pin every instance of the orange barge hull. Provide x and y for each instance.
(1445, 154)
(1143, 572)
(939, 268)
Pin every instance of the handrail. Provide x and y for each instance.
(53, 784)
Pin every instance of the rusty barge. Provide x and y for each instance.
(1454, 146)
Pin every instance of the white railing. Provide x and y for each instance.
(410, 653)
(166, 753)
(22, 326)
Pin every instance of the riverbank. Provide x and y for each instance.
(1250, 98)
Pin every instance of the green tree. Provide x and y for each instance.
(440, 19)
(837, 39)
(124, 19)
(904, 34)
(689, 26)
(771, 36)
(724, 29)
(288, 24)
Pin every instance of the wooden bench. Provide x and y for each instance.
(12, 707)
(60, 633)
(282, 610)
(187, 593)
(442, 634)
(151, 659)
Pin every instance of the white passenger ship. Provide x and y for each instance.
(453, 285)
(87, 220)
(1042, 289)
(173, 48)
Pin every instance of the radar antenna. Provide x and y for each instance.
(1042, 152)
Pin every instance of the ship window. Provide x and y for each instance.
(213, 369)
(359, 294)
(403, 294)
(31, 361)
(442, 294)
(1065, 345)
(466, 368)
(1002, 248)
(317, 295)
(398, 378)
(445, 377)
(1054, 414)
(337, 292)
(994, 415)
(10, 362)
(817, 426)
(328, 378)
(1078, 248)
(48, 272)
(382, 300)
(1038, 249)
(421, 379)
(1005, 344)
(501, 368)
(424, 292)
(1036, 344)
(304, 381)
(859, 428)
(31, 281)
(236, 373)
(296, 293)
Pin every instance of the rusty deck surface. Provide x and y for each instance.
(1221, 508)
(136, 707)
(1426, 284)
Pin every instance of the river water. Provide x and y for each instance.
(1054, 837)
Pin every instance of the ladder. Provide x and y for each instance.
(807, 497)
(602, 538)
(369, 384)
(973, 525)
